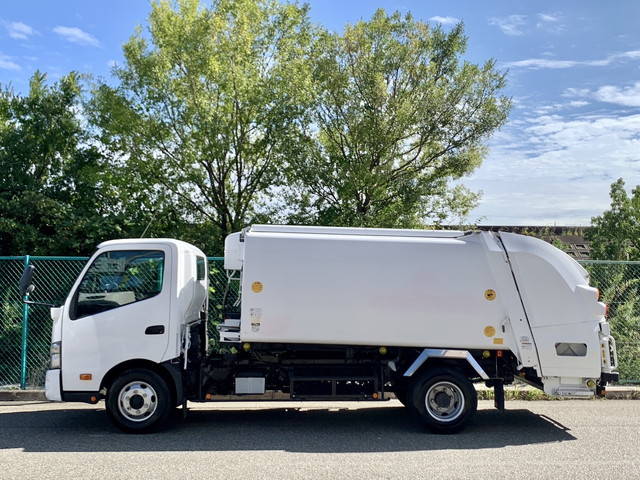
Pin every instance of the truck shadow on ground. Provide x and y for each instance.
(332, 430)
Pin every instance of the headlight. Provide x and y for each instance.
(56, 354)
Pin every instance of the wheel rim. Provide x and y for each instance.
(137, 401)
(444, 401)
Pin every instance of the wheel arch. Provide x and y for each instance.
(460, 360)
(169, 373)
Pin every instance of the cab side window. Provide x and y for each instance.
(201, 268)
(118, 278)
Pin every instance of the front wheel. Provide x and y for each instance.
(139, 401)
(444, 399)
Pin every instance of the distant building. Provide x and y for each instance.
(570, 239)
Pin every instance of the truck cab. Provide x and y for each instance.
(129, 308)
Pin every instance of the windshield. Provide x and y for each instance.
(118, 278)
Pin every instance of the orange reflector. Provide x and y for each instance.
(499, 353)
(86, 376)
(93, 398)
(208, 396)
(375, 395)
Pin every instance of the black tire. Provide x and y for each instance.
(139, 401)
(452, 398)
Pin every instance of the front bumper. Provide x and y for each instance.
(52, 388)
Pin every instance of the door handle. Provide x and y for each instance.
(154, 330)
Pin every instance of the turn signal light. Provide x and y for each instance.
(86, 376)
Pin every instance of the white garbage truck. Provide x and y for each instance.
(329, 313)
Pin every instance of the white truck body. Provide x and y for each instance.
(426, 289)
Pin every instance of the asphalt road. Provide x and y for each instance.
(595, 439)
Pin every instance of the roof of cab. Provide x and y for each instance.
(149, 241)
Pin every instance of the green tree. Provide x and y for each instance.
(615, 235)
(51, 200)
(400, 116)
(209, 106)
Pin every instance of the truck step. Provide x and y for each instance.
(229, 330)
(229, 337)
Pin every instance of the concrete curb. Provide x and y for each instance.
(22, 395)
(511, 393)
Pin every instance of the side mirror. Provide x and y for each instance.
(26, 287)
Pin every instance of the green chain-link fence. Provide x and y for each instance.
(25, 332)
(619, 284)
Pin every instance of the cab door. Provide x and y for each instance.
(119, 310)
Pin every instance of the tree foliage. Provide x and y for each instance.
(615, 235)
(399, 116)
(51, 201)
(242, 111)
(209, 105)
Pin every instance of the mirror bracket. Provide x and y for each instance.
(31, 302)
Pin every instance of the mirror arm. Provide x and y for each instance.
(31, 302)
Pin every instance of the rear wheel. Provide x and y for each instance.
(139, 401)
(444, 399)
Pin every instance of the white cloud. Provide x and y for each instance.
(6, 63)
(445, 20)
(547, 17)
(76, 35)
(538, 63)
(510, 25)
(111, 63)
(550, 22)
(554, 107)
(578, 103)
(628, 96)
(557, 169)
(19, 30)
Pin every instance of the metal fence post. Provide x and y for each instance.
(25, 333)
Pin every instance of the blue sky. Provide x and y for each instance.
(574, 75)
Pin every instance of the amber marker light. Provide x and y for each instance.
(86, 376)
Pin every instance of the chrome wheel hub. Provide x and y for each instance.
(444, 401)
(137, 401)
